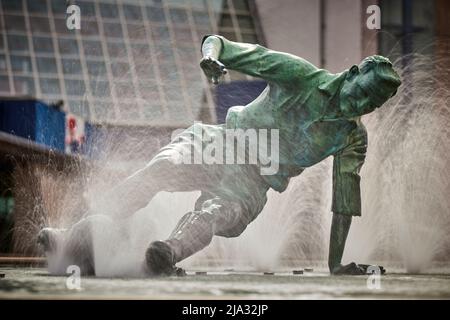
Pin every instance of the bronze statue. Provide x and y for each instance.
(316, 113)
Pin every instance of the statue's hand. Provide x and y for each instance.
(370, 269)
(349, 269)
(213, 69)
(357, 269)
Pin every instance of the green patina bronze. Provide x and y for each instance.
(317, 114)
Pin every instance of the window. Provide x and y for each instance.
(36, 6)
(117, 49)
(17, 43)
(15, 23)
(75, 87)
(11, 5)
(71, 66)
(42, 44)
(108, 10)
(96, 68)
(49, 85)
(132, 13)
(156, 14)
(68, 46)
(113, 30)
(92, 48)
(38, 24)
(24, 85)
(46, 65)
(4, 84)
(21, 64)
(100, 89)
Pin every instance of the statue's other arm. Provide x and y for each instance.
(346, 198)
(258, 61)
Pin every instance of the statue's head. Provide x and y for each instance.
(368, 86)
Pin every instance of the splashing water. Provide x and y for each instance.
(405, 187)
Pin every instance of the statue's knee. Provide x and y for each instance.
(231, 232)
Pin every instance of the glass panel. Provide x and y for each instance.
(39, 25)
(75, 87)
(42, 44)
(144, 70)
(161, 33)
(156, 2)
(4, 84)
(61, 27)
(241, 5)
(109, 10)
(92, 48)
(87, 9)
(71, 66)
(131, 12)
(68, 46)
(116, 49)
(103, 110)
(24, 85)
(49, 86)
(178, 16)
(151, 110)
(39, 6)
(120, 69)
(96, 68)
(183, 36)
(58, 7)
(249, 37)
(46, 65)
(201, 19)
(229, 35)
(112, 30)
(11, 5)
(197, 4)
(21, 64)
(2, 63)
(156, 14)
(100, 89)
(124, 89)
(136, 31)
(14, 23)
(79, 107)
(17, 43)
(89, 28)
(226, 21)
(245, 22)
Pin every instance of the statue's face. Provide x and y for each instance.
(354, 98)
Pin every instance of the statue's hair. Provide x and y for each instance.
(374, 62)
(383, 69)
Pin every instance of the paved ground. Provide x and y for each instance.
(35, 283)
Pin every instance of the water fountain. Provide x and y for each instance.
(406, 209)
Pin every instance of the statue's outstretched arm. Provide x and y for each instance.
(254, 60)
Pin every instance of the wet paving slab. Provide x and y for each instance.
(36, 283)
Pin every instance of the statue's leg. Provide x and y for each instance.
(214, 215)
(79, 243)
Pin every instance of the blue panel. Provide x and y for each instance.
(236, 93)
(18, 118)
(33, 120)
(50, 127)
